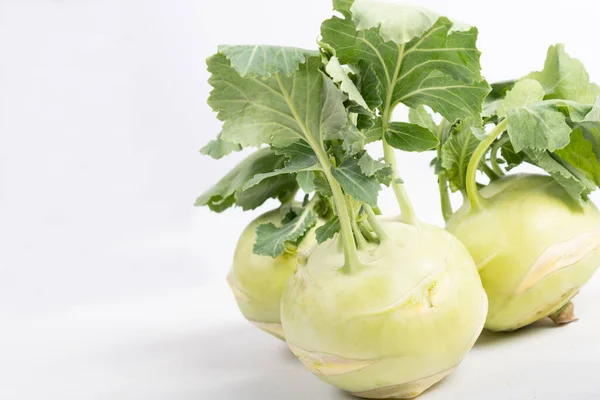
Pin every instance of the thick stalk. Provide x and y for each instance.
(494, 155)
(477, 201)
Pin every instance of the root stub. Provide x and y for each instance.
(565, 315)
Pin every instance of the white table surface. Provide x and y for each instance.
(193, 344)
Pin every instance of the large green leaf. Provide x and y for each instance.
(565, 78)
(436, 67)
(533, 123)
(263, 61)
(278, 110)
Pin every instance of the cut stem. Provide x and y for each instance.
(475, 199)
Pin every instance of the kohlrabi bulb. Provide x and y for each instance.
(534, 247)
(394, 326)
(258, 282)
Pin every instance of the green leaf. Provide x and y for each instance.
(420, 116)
(384, 175)
(457, 152)
(536, 124)
(271, 239)
(594, 114)
(512, 158)
(321, 184)
(539, 126)
(282, 187)
(229, 190)
(277, 110)
(369, 166)
(263, 61)
(355, 183)
(306, 181)
(300, 158)
(572, 184)
(410, 137)
(564, 77)
(374, 133)
(337, 73)
(591, 132)
(398, 23)
(524, 93)
(291, 167)
(353, 140)
(328, 230)
(439, 68)
(219, 148)
(368, 84)
(580, 154)
(495, 98)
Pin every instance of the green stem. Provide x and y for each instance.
(372, 218)
(367, 231)
(489, 172)
(360, 239)
(351, 259)
(447, 211)
(477, 201)
(494, 155)
(406, 208)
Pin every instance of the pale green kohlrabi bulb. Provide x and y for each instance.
(394, 327)
(258, 282)
(534, 247)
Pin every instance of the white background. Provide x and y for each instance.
(112, 284)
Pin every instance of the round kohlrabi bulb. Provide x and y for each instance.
(534, 247)
(258, 281)
(392, 327)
